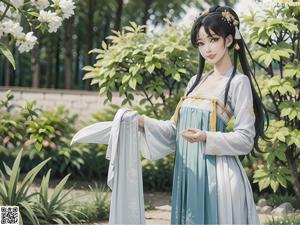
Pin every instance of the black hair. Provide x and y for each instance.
(214, 20)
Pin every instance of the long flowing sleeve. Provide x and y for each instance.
(241, 140)
(159, 136)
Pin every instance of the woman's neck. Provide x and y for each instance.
(223, 65)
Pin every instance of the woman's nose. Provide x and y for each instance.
(207, 48)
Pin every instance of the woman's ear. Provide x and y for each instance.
(228, 40)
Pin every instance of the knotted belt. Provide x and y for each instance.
(213, 116)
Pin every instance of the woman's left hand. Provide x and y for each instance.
(199, 135)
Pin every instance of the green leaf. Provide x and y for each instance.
(281, 180)
(88, 68)
(102, 90)
(264, 183)
(6, 52)
(292, 115)
(282, 53)
(58, 189)
(104, 45)
(109, 95)
(38, 146)
(182, 70)
(35, 14)
(125, 78)
(132, 83)
(268, 59)
(151, 68)
(280, 155)
(285, 111)
(274, 185)
(176, 76)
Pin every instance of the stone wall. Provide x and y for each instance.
(80, 102)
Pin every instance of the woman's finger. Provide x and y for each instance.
(192, 129)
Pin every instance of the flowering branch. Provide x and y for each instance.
(47, 14)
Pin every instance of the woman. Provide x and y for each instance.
(209, 184)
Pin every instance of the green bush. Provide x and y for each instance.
(273, 35)
(97, 208)
(154, 65)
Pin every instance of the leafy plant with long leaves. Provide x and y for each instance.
(12, 195)
(54, 209)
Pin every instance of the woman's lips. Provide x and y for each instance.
(211, 56)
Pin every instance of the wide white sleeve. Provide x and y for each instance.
(241, 140)
(158, 138)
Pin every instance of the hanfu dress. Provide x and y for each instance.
(210, 185)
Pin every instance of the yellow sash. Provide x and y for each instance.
(213, 117)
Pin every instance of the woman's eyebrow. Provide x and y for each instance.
(213, 35)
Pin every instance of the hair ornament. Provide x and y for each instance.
(237, 34)
(227, 16)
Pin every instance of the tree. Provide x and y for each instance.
(155, 65)
(274, 34)
(39, 16)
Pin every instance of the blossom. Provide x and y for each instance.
(11, 27)
(26, 43)
(17, 3)
(53, 21)
(67, 7)
(40, 4)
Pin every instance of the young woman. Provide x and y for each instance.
(209, 184)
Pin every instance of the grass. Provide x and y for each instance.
(291, 219)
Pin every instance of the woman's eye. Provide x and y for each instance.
(214, 39)
(200, 43)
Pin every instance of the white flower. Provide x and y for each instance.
(17, 3)
(11, 27)
(10, 13)
(53, 21)
(26, 43)
(67, 7)
(40, 4)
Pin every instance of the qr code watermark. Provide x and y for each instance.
(9, 215)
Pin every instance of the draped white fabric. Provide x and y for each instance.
(125, 142)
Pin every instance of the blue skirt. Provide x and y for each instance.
(194, 190)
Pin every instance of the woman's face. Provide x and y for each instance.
(212, 48)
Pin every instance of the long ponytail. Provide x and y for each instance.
(212, 20)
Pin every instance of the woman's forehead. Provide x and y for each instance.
(202, 33)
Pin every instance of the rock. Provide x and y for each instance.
(258, 208)
(266, 209)
(283, 209)
(262, 202)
